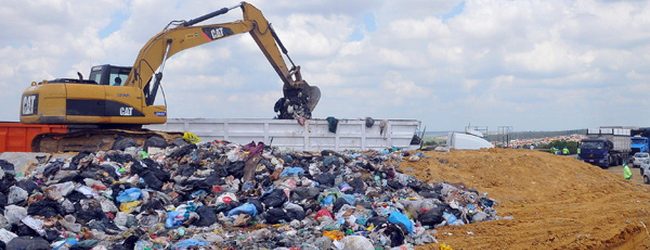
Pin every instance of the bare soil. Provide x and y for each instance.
(556, 202)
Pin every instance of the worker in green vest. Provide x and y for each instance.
(627, 173)
(565, 151)
(554, 150)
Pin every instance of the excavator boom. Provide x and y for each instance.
(186, 34)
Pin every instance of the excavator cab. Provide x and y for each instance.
(109, 74)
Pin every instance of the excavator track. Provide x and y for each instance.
(91, 140)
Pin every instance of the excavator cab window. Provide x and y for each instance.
(117, 79)
(109, 75)
(96, 74)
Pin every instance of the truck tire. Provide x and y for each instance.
(646, 180)
(610, 161)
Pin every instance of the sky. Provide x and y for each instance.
(532, 65)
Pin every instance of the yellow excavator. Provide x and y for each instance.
(115, 101)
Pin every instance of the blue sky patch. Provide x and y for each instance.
(117, 19)
(369, 25)
(455, 11)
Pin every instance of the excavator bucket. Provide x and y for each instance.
(313, 96)
(299, 100)
(307, 94)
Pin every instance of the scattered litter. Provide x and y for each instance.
(187, 196)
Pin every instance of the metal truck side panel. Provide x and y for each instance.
(350, 133)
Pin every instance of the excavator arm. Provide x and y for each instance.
(182, 35)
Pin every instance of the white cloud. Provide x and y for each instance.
(530, 64)
(550, 58)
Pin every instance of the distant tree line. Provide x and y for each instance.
(534, 134)
(560, 144)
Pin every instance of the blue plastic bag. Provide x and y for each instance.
(401, 219)
(129, 195)
(247, 208)
(69, 242)
(187, 243)
(330, 160)
(292, 171)
(451, 219)
(199, 193)
(174, 219)
(328, 200)
(350, 199)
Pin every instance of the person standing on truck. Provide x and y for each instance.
(627, 173)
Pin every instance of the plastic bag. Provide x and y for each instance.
(323, 213)
(189, 243)
(207, 216)
(191, 137)
(292, 171)
(247, 208)
(334, 234)
(332, 124)
(276, 215)
(431, 217)
(398, 218)
(354, 242)
(174, 219)
(129, 195)
(128, 207)
(274, 198)
(452, 219)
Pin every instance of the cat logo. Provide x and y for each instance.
(213, 33)
(216, 33)
(29, 104)
(126, 111)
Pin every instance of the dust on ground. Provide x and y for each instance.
(556, 202)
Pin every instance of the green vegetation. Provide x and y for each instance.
(434, 141)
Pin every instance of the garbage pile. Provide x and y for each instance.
(222, 195)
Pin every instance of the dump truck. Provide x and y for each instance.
(640, 140)
(639, 144)
(606, 146)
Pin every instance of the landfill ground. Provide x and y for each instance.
(636, 174)
(556, 202)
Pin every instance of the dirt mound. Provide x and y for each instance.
(556, 202)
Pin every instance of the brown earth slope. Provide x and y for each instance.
(557, 202)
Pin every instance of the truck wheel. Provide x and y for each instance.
(646, 180)
(610, 161)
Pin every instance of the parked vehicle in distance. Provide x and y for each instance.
(606, 146)
(639, 144)
(645, 173)
(639, 158)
